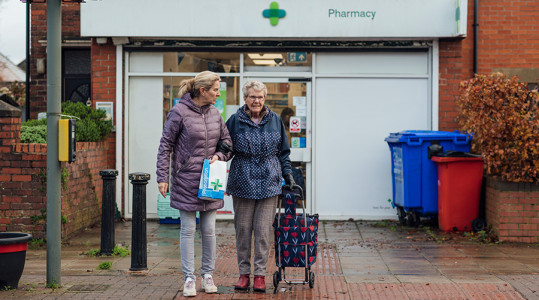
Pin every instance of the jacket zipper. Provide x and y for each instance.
(205, 150)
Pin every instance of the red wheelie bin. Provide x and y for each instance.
(459, 189)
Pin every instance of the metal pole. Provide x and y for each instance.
(107, 208)
(54, 75)
(27, 109)
(138, 233)
(475, 32)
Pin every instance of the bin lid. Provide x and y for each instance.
(453, 153)
(446, 159)
(416, 137)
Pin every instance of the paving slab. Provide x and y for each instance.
(355, 260)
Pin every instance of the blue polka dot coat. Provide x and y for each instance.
(261, 155)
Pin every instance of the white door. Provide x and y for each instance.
(144, 126)
(291, 100)
(360, 99)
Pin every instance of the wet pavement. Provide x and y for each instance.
(356, 260)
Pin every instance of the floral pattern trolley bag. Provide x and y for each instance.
(296, 238)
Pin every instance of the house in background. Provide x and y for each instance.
(10, 72)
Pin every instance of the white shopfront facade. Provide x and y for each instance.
(352, 72)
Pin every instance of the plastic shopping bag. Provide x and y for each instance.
(213, 181)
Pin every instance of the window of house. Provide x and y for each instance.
(76, 75)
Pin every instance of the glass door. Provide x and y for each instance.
(291, 100)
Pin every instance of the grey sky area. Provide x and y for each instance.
(13, 30)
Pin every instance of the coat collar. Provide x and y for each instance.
(188, 101)
(245, 115)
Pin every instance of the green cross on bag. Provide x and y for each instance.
(216, 184)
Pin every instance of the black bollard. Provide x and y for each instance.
(107, 211)
(138, 233)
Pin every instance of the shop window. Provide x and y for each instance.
(277, 61)
(219, 62)
(228, 103)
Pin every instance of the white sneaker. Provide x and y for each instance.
(189, 288)
(207, 284)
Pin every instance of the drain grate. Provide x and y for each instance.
(89, 288)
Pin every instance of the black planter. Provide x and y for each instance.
(13, 247)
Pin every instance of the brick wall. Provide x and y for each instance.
(513, 210)
(38, 52)
(81, 198)
(38, 27)
(103, 71)
(23, 183)
(507, 42)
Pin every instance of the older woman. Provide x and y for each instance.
(193, 132)
(261, 160)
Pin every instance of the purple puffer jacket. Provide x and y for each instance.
(191, 134)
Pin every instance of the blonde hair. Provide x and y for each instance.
(255, 85)
(202, 80)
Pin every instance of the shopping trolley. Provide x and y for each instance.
(296, 238)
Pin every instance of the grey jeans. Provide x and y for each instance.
(187, 242)
(253, 217)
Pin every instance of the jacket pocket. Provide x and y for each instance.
(182, 166)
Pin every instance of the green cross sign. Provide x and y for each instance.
(274, 13)
(216, 184)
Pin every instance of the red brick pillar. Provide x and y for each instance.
(104, 86)
(10, 126)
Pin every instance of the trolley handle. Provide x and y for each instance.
(299, 196)
(293, 189)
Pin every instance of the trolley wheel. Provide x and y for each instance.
(311, 280)
(276, 279)
(412, 219)
(402, 215)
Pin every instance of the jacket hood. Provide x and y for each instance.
(188, 101)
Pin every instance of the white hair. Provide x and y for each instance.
(255, 85)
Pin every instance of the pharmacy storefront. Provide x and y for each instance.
(341, 74)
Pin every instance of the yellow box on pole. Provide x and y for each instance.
(67, 143)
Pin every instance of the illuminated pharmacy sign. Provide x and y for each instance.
(288, 19)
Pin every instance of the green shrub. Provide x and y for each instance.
(92, 252)
(35, 123)
(35, 244)
(91, 125)
(87, 130)
(122, 251)
(36, 134)
(105, 265)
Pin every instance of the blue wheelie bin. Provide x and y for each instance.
(414, 175)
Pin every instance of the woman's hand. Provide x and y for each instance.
(163, 187)
(214, 158)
